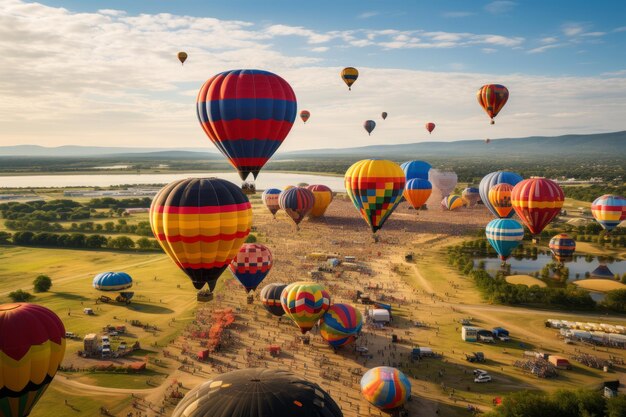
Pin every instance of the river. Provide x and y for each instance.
(265, 180)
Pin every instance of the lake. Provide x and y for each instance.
(265, 180)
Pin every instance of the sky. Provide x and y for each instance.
(105, 73)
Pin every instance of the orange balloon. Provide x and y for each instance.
(500, 198)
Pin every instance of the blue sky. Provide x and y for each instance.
(105, 72)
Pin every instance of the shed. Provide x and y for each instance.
(469, 333)
(559, 362)
(380, 315)
(91, 343)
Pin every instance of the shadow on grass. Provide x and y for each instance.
(70, 296)
(149, 308)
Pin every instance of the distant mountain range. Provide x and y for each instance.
(611, 145)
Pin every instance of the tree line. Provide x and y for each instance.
(78, 241)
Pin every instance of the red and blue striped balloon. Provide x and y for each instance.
(562, 247)
(297, 202)
(247, 114)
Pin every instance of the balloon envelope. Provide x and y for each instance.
(452, 202)
(609, 210)
(417, 191)
(201, 223)
(470, 196)
(304, 115)
(386, 388)
(492, 97)
(247, 114)
(504, 235)
(32, 346)
(444, 181)
(492, 179)
(251, 265)
(112, 281)
(270, 298)
(369, 126)
(416, 169)
(349, 76)
(297, 203)
(305, 302)
(562, 247)
(384, 115)
(323, 196)
(537, 201)
(340, 324)
(500, 200)
(182, 57)
(375, 187)
(257, 392)
(270, 200)
(430, 127)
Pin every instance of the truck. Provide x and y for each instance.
(501, 333)
(475, 357)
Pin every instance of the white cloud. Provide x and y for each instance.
(549, 39)
(573, 29)
(593, 34)
(500, 6)
(620, 73)
(367, 15)
(453, 15)
(544, 48)
(620, 29)
(312, 36)
(489, 50)
(320, 49)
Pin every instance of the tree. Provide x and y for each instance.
(144, 243)
(616, 406)
(122, 242)
(615, 300)
(20, 296)
(5, 237)
(251, 238)
(42, 283)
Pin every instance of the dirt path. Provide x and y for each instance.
(95, 389)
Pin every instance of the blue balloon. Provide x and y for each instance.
(504, 235)
(492, 179)
(416, 169)
(112, 281)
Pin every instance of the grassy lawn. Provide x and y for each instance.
(525, 280)
(600, 285)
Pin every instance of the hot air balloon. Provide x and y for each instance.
(417, 191)
(444, 181)
(32, 346)
(492, 97)
(537, 201)
(304, 303)
(270, 298)
(257, 392)
(270, 200)
(384, 115)
(386, 388)
(492, 179)
(452, 202)
(500, 200)
(375, 187)
(182, 57)
(251, 265)
(609, 210)
(562, 247)
(247, 114)
(288, 187)
(487, 140)
(349, 76)
(297, 202)
(471, 196)
(303, 184)
(323, 196)
(504, 235)
(112, 281)
(369, 126)
(304, 115)
(430, 126)
(340, 325)
(416, 169)
(201, 223)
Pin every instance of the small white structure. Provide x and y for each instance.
(380, 315)
(469, 333)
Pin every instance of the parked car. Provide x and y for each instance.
(361, 349)
(483, 378)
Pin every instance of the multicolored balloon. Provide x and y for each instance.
(112, 281)
(369, 126)
(430, 126)
(504, 235)
(537, 201)
(470, 195)
(304, 303)
(417, 191)
(609, 210)
(416, 169)
(297, 203)
(201, 223)
(32, 346)
(375, 187)
(251, 265)
(384, 115)
(304, 115)
(349, 76)
(257, 392)
(247, 114)
(492, 179)
(182, 57)
(270, 200)
(340, 325)
(492, 97)
(444, 181)
(386, 388)
(323, 197)
(500, 200)
(562, 247)
(270, 298)
(452, 202)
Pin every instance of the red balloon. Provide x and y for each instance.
(430, 126)
(537, 201)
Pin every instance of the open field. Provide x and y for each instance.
(525, 280)
(600, 285)
(427, 290)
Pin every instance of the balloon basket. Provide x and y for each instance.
(204, 296)
(250, 299)
(306, 339)
(248, 188)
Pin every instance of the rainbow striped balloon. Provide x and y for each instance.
(385, 387)
(32, 346)
(375, 187)
(305, 302)
(537, 201)
(609, 210)
(562, 247)
(201, 223)
(340, 325)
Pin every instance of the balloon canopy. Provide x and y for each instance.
(297, 203)
(562, 247)
(112, 281)
(369, 126)
(609, 210)
(492, 97)
(386, 388)
(444, 181)
(340, 324)
(537, 201)
(416, 169)
(270, 298)
(251, 265)
(270, 200)
(504, 235)
(349, 76)
(182, 57)
(305, 302)
(417, 191)
(492, 179)
(323, 197)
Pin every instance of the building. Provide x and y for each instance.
(469, 333)
(380, 315)
(559, 362)
(91, 343)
